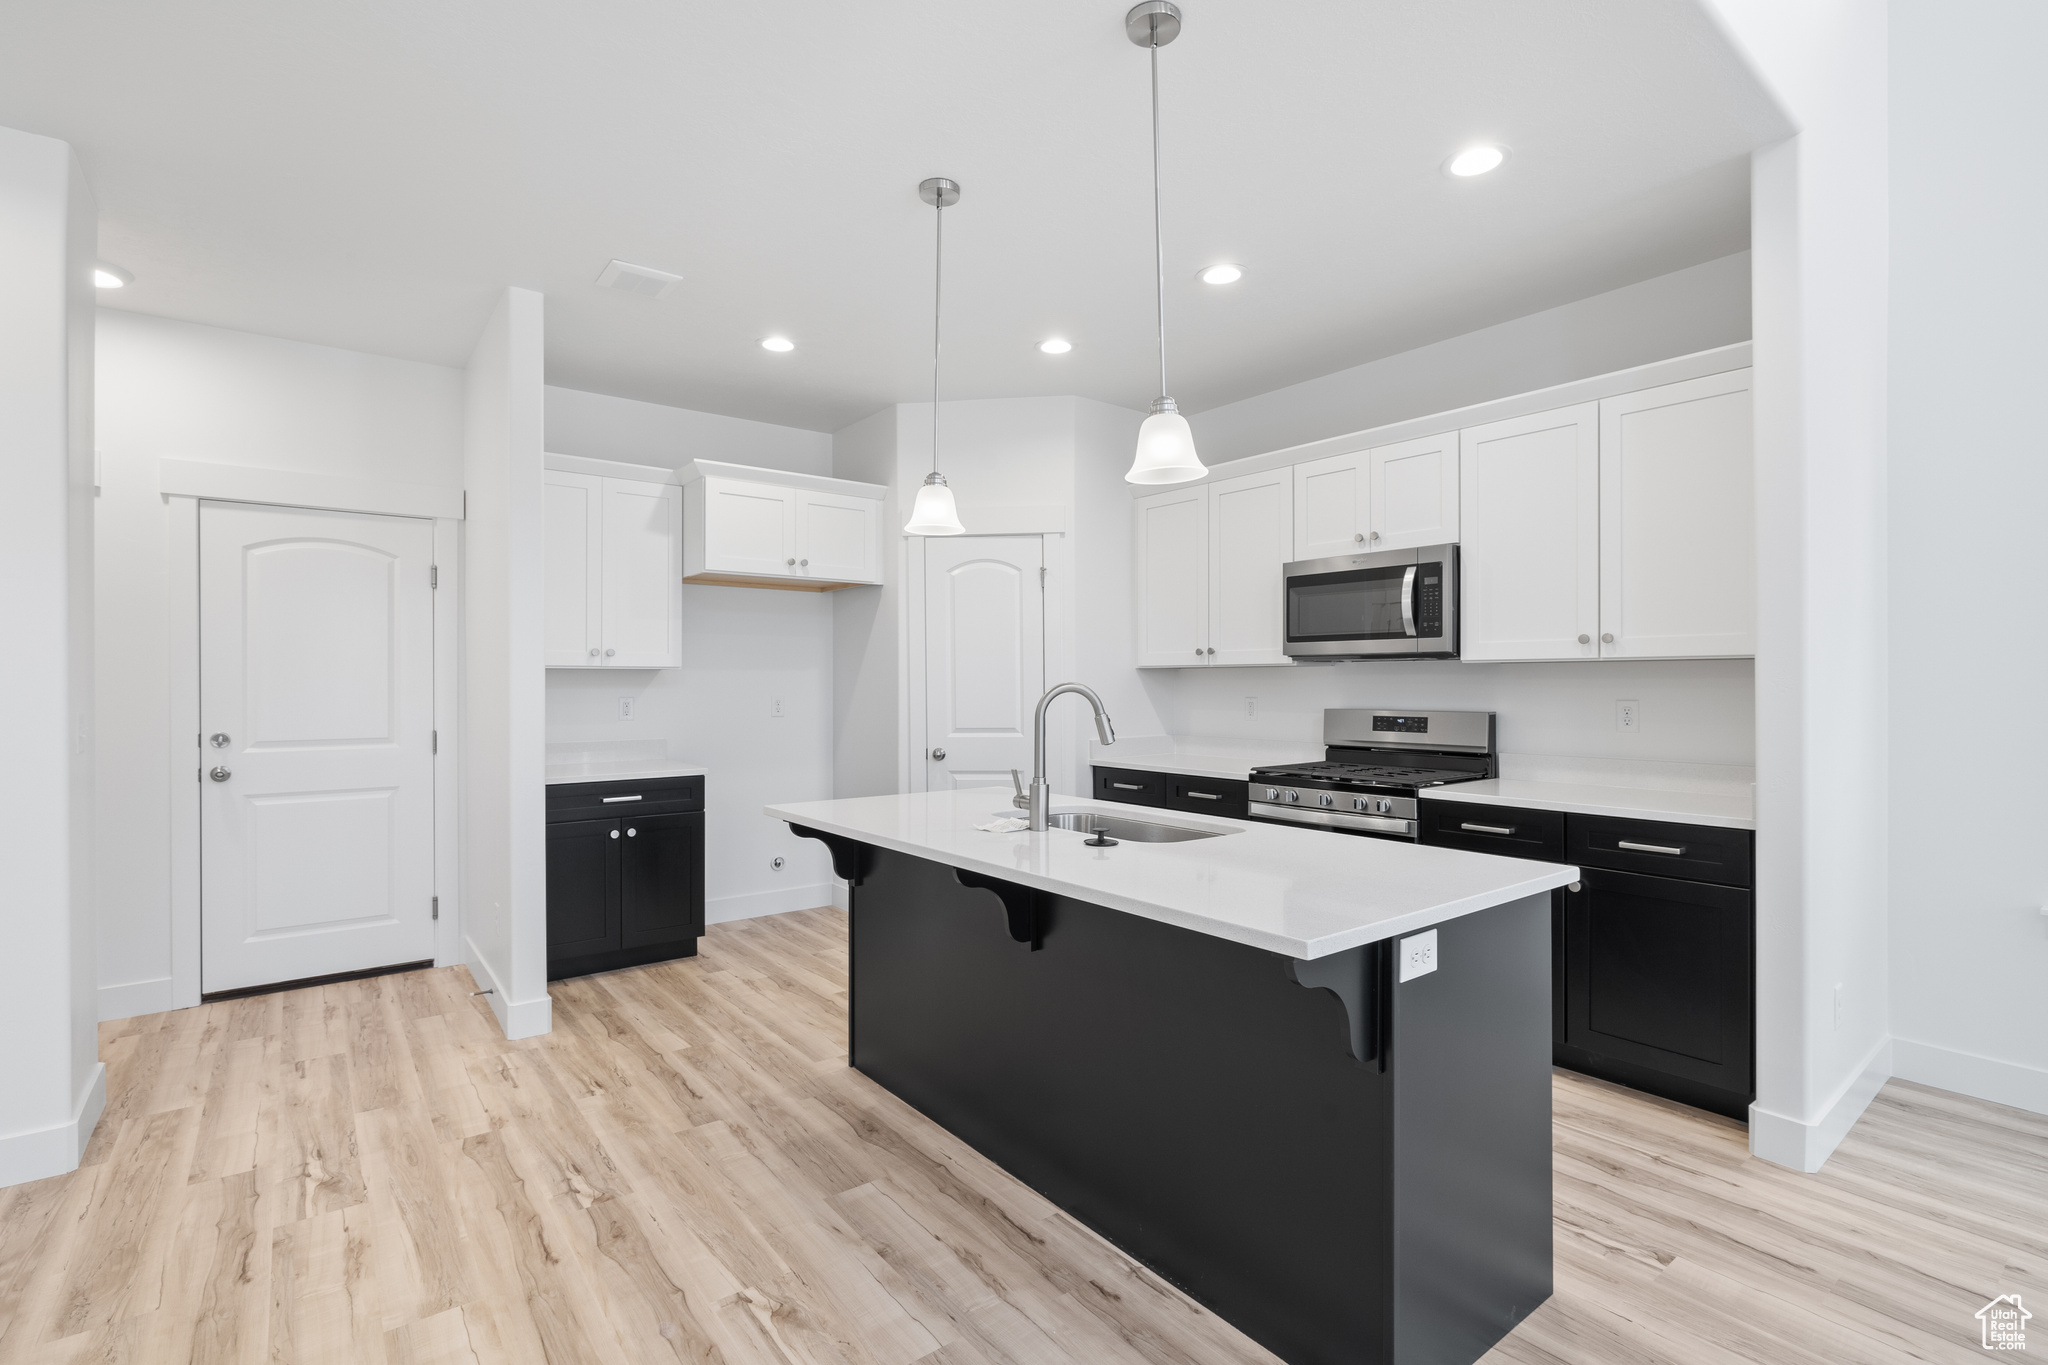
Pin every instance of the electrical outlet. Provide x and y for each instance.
(1251, 706)
(1418, 955)
(625, 708)
(1628, 716)
(1838, 1007)
(775, 710)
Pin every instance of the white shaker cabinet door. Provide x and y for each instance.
(643, 573)
(1530, 511)
(574, 570)
(1677, 521)
(1172, 557)
(1414, 493)
(837, 537)
(1331, 505)
(749, 528)
(1251, 537)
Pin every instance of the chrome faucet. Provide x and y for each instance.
(1040, 795)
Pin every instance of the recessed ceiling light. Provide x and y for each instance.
(1055, 345)
(1222, 274)
(777, 344)
(110, 276)
(1476, 160)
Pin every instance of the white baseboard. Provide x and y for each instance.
(726, 909)
(1966, 1073)
(1806, 1145)
(131, 998)
(842, 895)
(44, 1152)
(518, 1018)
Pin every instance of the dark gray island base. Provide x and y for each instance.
(1348, 1168)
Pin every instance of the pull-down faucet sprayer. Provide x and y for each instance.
(1040, 795)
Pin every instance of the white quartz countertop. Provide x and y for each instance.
(1219, 760)
(620, 770)
(1724, 809)
(1302, 892)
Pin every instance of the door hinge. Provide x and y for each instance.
(1041, 578)
(433, 575)
(437, 907)
(437, 741)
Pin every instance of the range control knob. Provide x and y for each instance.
(1384, 805)
(1290, 795)
(1272, 793)
(1360, 803)
(1327, 799)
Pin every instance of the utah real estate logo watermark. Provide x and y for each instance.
(2005, 1323)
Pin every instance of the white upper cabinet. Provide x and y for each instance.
(764, 528)
(574, 633)
(1530, 504)
(1677, 521)
(1251, 536)
(1414, 493)
(613, 572)
(1332, 506)
(1172, 558)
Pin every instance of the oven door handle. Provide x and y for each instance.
(1408, 602)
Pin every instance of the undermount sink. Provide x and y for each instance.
(1135, 831)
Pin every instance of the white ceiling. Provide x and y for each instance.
(370, 175)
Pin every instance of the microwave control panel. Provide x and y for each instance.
(1429, 600)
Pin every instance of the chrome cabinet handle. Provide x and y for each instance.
(790, 560)
(938, 755)
(1127, 786)
(1489, 829)
(1408, 601)
(615, 834)
(219, 774)
(803, 563)
(608, 653)
(593, 651)
(1359, 536)
(1585, 639)
(1212, 649)
(1375, 535)
(218, 741)
(1665, 849)
(1607, 639)
(612, 800)
(632, 834)
(1572, 887)
(1205, 796)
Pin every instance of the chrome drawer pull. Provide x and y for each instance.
(1206, 796)
(610, 799)
(1127, 786)
(1649, 848)
(1489, 829)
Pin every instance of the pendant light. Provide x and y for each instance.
(1166, 447)
(933, 514)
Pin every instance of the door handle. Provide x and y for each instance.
(1408, 601)
(1665, 849)
(938, 755)
(219, 774)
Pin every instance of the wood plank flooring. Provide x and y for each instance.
(686, 1170)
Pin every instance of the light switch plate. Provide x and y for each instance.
(1418, 955)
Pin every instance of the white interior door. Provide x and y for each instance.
(316, 689)
(575, 570)
(1251, 535)
(1415, 493)
(984, 657)
(643, 574)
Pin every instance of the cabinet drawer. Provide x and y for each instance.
(1123, 784)
(1656, 848)
(604, 800)
(1205, 796)
(1506, 830)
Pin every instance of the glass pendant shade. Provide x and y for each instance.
(933, 514)
(1166, 449)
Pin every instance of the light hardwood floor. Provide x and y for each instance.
(685, 1170)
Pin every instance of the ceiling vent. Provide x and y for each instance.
(644, 281)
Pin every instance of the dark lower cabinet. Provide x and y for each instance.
(1653, 954)
(1198, 795)
(625, 874)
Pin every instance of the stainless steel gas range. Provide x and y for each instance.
(1375, 763)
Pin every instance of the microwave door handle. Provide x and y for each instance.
(1408, 602)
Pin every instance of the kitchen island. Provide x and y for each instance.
(1306, 1079)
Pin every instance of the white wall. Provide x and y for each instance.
(1820, 206)
(1689, 310)
(742, 649)
(868, 718)
(504, 728)
(184, 391)
(1968, 730)
(52, 1086)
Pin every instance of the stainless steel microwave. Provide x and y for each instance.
(1396, 604)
